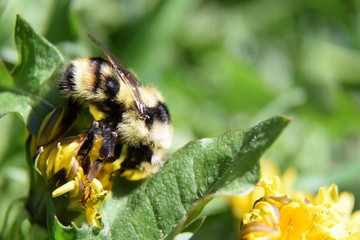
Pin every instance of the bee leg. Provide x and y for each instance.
(106, 152)
(93, 132)
(109, 149)
(94, 169)
(91, 168)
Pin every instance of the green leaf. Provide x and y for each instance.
(5, 77)
(30, 90)
(28, 107)
(38, 59)
(59, 232)
(163, 205)
(189, 231)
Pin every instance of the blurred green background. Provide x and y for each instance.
(221, 65)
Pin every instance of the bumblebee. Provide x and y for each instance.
(132, 119)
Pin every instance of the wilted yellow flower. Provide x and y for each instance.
(278, 216)
(82, 177)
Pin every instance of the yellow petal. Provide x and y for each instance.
(63, 189)
(93, 217)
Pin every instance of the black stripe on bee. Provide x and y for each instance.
(143, 153)
(112, 86)
(95, 64)
(159, 113)
(135, 156)
(67, 82)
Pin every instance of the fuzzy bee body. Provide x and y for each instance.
(90, 79)
(126, 113)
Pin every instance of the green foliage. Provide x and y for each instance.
(26, 91)
(220, 64)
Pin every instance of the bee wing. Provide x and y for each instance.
(125, 74)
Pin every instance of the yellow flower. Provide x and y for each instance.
(243, 204)
(278, 216)
(81, 177)
(353, 225)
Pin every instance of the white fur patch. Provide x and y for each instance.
(150, 96)
(157, 158)
(161, 134)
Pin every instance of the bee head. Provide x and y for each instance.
(151, 126)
